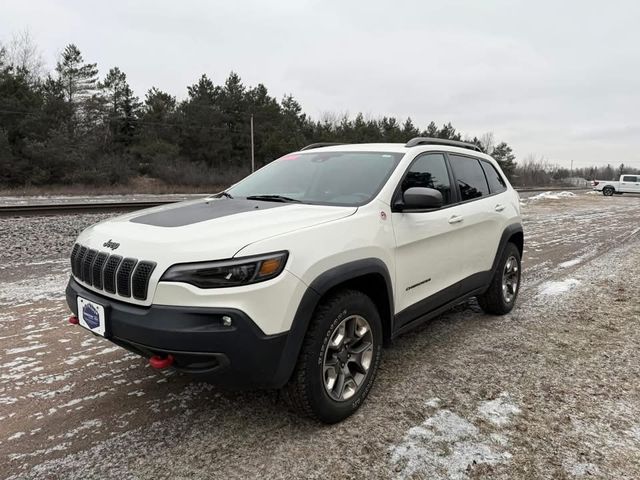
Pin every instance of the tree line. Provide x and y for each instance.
(72, 126)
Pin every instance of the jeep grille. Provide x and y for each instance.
(111, 273)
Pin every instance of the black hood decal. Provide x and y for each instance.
(202, 211)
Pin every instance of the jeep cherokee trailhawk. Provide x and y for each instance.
(296, 276)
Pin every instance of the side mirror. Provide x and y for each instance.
(420, 198)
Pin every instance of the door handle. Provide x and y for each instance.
(456, 219)
(499, 208)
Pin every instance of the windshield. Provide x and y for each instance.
(324, 178)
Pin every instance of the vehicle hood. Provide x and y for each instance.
(203, 229)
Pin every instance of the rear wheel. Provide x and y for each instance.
(608, 191)
(339, 358)
(501, 295)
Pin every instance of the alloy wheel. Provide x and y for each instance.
(347, 358)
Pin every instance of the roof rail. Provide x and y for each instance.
(414, 142)
(321, 144)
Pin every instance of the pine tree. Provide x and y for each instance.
(122, 106)
(503, 154)
(409, 130)
(79, 79)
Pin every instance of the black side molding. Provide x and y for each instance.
(441, 301)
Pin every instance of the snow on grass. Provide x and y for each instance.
(16, 436)
(46, 287)
(446, 445)
(443, 447)
(570, 263)
(556, 288)
(581, 469)
(13, 351)
(498, 411)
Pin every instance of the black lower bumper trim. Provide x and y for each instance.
(240, 355)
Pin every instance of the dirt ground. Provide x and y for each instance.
(550, 391)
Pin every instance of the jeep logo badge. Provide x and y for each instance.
(111, 244)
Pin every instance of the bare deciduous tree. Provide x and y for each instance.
(23, 53)
(487, 141)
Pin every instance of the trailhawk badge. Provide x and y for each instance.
(111, 244)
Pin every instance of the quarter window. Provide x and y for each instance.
(429, 171)
(495, 180)
(469, 177)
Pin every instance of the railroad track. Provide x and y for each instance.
(69, 208)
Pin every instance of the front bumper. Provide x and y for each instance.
(240, 355)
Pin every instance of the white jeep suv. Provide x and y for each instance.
(296, 276)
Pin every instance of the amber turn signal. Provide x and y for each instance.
(269, 267)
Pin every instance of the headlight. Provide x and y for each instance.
(228, 273)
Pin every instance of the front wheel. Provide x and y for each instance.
(608, 191)
(501, 295)
(339, 358)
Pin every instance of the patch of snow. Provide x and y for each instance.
(551, 196)
(581, 469)
(570, 263)
(13, 351)
(556, 288)
(443, 447)
(499, 410)
(4, 400)
(40, 452)
(47, 287)
(108, 350)
(433, 402)
(16, 435)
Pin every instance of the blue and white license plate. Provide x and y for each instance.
(91, 316)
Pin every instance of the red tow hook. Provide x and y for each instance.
(159, 362)
(73, 320)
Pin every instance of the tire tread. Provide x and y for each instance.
(492, 301)
(295, 393)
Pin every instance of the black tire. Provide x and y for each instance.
(306, 391)
(495, 300)
(608, 191)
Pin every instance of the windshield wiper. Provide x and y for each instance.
(223, 194)
(273, 198)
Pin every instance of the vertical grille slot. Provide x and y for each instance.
(140, 279)
(96, 273)
(79, 261)
(110, 268)
(74, 253)
(87, 264)
(124, 276)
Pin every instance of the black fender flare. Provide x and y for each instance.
(507, 234)
(315, 291)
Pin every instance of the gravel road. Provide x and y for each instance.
(550, 391)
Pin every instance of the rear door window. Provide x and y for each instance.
(495, 180)
(629, 178)
(469, 176)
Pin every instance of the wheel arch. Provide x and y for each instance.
(512, 234)
(369, 275)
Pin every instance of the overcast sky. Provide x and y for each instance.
(554, 78)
